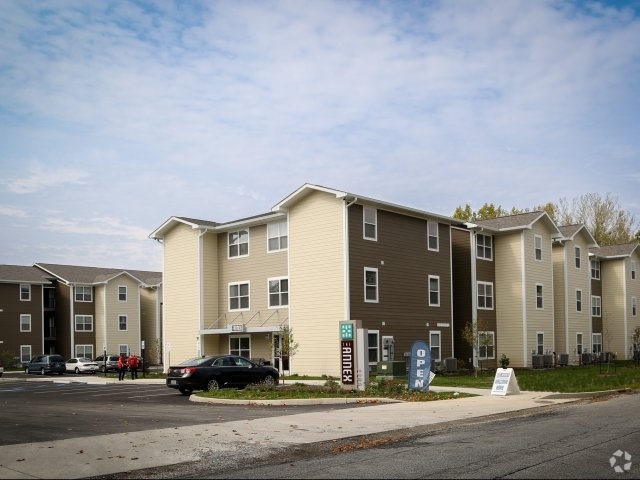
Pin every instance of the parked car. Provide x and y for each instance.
(44, 364)
(219, 371)
(111, 364)
(81, 365)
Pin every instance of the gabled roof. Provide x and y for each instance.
(74, 274)
(569, 232)
(622, 250)
(521, 221)
(22, 274)
(207, 225)
(309, 188)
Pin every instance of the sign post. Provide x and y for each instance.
(347, 353)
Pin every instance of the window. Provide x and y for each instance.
(278, 292)
(25, 353)
(596, 306)
(25, 323)
(239, 296)
(25, 292)
(596, 343)
(432, 234)
(122, 293)
(484, 246)
(124, 349)
(539, 299)
(577, 253)
(634, 307)
(370, 223)
(434, 344)
(84, 323)
(371, 285)
(277, 236)
(633, 270)
(595, 269)
(122, 323)
(84, 351)
(487, 345)
(537, 242)
(540, 337)
(579, 343)
(239, 243)
(485, 296)
(240, 346)
(374, 352)
(434, 291)
(83, 293)
(578, 300)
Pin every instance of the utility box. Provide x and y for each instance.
(563, 359)
(537, 361)
(392, 369)
(451, 365)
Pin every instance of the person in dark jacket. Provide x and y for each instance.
(122, 367)
(132, 362)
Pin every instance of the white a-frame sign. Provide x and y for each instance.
(505, 382)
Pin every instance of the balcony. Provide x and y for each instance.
(248, 322)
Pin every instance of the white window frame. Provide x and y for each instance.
(438, 335)
(25, 357)
(25, 320)
(124, 348)
(370, 219)
(491, 334)
(81, 351)
(82, 292)
(277, 233)
(537, 247)
(579, 343)
(484, 244)
(239, 285)
(596, 306)
(431, 291)
(539, 296)
(577, 252)
(596, 342)
(433, 235)
(482, 294)
(282, 295)
(240, 235)
(595, 269)
(371, 287)
(540, 342)
(634, 307)
(578, 300)
(25, 288)
(84, 323)
(126, 323)
(239, 351)
(371, 348)
(122, 293)
(633, 270)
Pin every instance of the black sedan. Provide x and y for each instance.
(220, 371)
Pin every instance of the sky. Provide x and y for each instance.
(117, 115)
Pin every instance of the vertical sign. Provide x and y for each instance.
(420, 367)
(347, 353)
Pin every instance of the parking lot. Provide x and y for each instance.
(38, 409)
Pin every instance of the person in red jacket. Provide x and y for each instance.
(132, 362)
(122, 367)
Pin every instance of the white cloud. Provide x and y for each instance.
(9, 211)
(40, 177)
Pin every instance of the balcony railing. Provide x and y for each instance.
(270, 318)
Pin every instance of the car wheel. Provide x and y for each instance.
(77, 370)
(42, 372)
(213, 385)
(101, 369)
(185, 391)
(269, 381)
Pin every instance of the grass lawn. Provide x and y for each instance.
(588, 378)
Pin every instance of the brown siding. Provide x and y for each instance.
(404, 264)
(12, 308)
(462, 288)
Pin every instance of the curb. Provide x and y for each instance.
(295, 401)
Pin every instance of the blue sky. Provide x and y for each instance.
(115, 116)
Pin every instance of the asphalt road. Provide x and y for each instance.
(52, 409)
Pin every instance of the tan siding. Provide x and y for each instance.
(181, 294)
(130, 308)
(211, 271)
(562, 295)
(317, 262)
(100, 325)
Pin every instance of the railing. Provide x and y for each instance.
(248, 319)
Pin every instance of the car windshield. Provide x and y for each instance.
(84, 360)
(192, 362)
(57, 358)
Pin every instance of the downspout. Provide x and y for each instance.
(624, 309)
(524, 300)
(345, 229)
(201, 290)
(474, 298)
(565, 265)
(71, 326)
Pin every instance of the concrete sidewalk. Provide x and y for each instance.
(111, 454)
